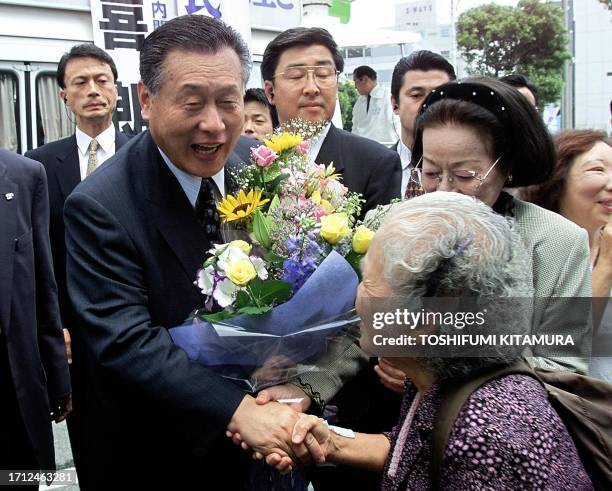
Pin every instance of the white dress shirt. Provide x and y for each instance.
(378, 121)
(313, 150)
(405, 155)
(106, 147)
(191, 184)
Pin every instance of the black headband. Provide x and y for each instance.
(478, 94)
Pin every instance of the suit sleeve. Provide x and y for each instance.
(568, 310)
(108, 290)
(50, 334)
(385, 181)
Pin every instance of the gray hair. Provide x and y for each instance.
(419, 240)
(189, 33)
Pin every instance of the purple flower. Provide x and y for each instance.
(302, 261)
(296, 271)
(263, 155)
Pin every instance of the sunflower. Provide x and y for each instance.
(286, 141)
(242, 206)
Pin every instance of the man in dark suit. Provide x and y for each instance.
(414, 77)
(137, 231)
(33, 367)
(86, 76)
(300, 70)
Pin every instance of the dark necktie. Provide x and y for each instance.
(368, 103)
(206, 210)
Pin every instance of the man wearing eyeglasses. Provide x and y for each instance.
(300, 69)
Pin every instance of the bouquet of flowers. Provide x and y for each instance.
(279, 299)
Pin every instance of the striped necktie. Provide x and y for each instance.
(92, 161)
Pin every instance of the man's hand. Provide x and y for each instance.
(62, 409)
(268, 428)
(68, 342)
(390, 376)
(285, 391)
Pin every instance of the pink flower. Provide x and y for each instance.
(302, 148)
(263, 155)
(319, 212)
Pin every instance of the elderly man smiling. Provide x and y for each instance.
(136, 232)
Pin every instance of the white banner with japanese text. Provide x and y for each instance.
(120, 27)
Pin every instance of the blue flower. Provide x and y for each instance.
(302, 261)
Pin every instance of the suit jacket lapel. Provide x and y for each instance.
(331, 150)
(120, 140)
(172, 212)
(8, 224)
(68, 170)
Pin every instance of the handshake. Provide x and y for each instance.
(279, 432)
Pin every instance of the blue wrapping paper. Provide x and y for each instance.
(305, 326)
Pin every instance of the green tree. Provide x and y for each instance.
(347, 95)
(530, 39)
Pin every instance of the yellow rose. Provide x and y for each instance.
(242, 245)
(334, 227)
(323, 203)
(361, 239)
(327, 206)
(241, 272)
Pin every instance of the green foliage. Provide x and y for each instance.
(530, 39)
(261, 229)
(347, 95)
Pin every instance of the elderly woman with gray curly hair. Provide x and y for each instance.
(506, 435)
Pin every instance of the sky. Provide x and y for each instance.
(381, 13)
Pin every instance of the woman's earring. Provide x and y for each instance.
(509, 181)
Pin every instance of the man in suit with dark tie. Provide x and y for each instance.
(34, 375)
(414, 77)
(300, 69)
(86, 76)
(137, 231)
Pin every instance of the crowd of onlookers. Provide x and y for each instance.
(97, 262)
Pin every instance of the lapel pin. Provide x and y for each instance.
(9, 196)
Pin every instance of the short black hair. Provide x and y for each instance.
(86, 50)
(258, 95)
(364, 71)
(423, 60)
(518, 133)
(189, 33)
(519, 81)
(298, 36)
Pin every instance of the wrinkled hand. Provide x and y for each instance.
(390, 376)
(276, 393)
(68, 342)
(312, 432)
(63, 409)
(267, 429)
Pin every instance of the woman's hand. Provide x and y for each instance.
(605, 246)
(315, 434)
(390, 376)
